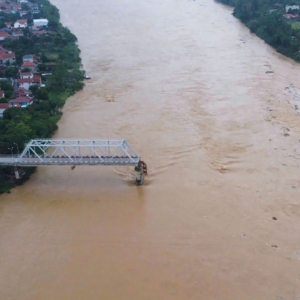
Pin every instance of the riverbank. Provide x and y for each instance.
(57, 63)
(277, 25)
(185, 83)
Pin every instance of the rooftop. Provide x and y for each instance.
(21, 100)
(22, 21)
(4, 105)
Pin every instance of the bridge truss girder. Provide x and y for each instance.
(77, 151)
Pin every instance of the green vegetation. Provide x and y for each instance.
(266, 19)
(60, 56)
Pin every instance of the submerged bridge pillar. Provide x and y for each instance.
(141, 171)
(17, 173)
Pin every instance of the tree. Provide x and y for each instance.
(42, 67)
(7, 87)
(26, 70)
(25, 6)
(58, 78)
(33, 88)
(11, 72)
(41, 94)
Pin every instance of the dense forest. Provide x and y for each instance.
(58, 55)
(266, 18)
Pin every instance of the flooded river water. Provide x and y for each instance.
(194, 94)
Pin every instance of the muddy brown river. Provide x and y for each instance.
(213, 111)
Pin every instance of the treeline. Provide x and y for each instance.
(266, 19)
(60, 56)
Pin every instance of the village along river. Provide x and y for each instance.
(213, 111)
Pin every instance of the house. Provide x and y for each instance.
(26, 83)
(21, 23)
(40, 22)
(29, 65)
(22, 92)
(36, 80)
(291, 16)
(5, 29)
(8, 24)
(5, 5)
(26, 75)
(22, 101)
(27, 58)
(17, 7)
(2, 94)
(6, 8)
(3, 107)
(7, 57)
(291, 7)
(17, 33)
(4, 35)
(23, 12)
(38, 33)
(35, 9)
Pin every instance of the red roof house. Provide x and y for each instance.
(28, 65)
(23, 101)
(26, 75)
(22, 92)
(38, 32)
(7, 56)
(3, 35)
(26, 83)
(4, 105)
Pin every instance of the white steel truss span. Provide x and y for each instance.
(74, 152)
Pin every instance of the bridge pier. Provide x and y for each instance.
(141, 171)
(139, 178)
(17, 173)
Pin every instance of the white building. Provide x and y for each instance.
(21, 23)
(291, 7)
(40, 22)
(28, 58)
(26, 82)
(24, 75)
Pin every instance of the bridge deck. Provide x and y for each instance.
(74, 161)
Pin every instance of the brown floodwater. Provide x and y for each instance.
(213, 111)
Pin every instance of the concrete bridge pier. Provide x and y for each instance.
(17, 174)
(141, 171)
(139, 178)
